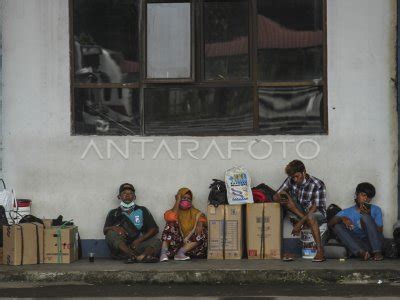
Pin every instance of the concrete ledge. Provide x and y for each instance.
(206, 272)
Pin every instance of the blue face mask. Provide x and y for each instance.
(127, 206)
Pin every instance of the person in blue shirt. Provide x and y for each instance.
(360, 227)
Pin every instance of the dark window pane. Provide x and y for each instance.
(168, 40)
(179, 111)
(107, 112)
(290, 39)
(106, 38)
(296, 110)
(226, 31)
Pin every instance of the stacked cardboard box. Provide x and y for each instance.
(60, 244)
(23, 244)
(225, 239)
(264, 231)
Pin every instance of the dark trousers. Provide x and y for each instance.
(372, 241)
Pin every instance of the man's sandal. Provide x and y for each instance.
(131, 260)
(319, 258)
(149, 259)
(288, 257)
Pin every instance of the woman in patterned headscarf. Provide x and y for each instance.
(185, 234)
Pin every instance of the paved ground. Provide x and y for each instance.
(104, 271)
(223, 292)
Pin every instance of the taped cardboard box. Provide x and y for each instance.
(264, 217)
(23, 244)
(225, 233)
(60, 244)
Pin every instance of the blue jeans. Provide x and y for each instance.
(372, 241)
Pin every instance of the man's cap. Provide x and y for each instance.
(126, 186)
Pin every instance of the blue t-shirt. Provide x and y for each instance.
(354, 215)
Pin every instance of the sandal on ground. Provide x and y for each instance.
(365, 255)
(319, 257)
(377, 256)
(149, 259)
(131, 260)
(288, 257)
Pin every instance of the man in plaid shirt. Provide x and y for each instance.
(304, 197)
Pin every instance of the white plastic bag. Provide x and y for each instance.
(238, 186)
(9, 202)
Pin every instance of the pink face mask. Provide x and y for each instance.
(185, 204)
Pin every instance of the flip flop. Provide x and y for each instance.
(149, 259)
(378, 258)
(131, 260)
(322, 259)
(288, 257)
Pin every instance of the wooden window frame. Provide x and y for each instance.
(197, 78)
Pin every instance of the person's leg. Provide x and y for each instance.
(148, 250)
(375, 238)
(350, 241)
(312, 222)
(118, 243)
(293, 207)
(200, 251)
(172, 241)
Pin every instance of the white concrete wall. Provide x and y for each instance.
(42, 161)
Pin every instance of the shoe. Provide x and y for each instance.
(163, 257)
(181, 257)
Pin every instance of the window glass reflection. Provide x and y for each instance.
(106, 39)
(106, 112)
(290, 40)
(296, 110)
(226, 30)
(198, 110)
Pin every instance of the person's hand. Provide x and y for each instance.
(347, 222)
(364, 210)
(284, 197)
(135, 244)
(199, 228)
(121, 231)
(178, 198)
(296, 229)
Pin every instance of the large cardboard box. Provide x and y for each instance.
(225, 233)
(60, 244)
(23, 244)
(269, 244)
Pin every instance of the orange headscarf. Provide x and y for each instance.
(187, 218)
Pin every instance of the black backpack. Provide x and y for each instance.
(3, 221)
(332, 211)
(217, 194)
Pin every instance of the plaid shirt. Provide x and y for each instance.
(313, 191)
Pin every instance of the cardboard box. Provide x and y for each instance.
(60, 244)
(47, 222)
(225, 220)
(269, 244)
(23, 244)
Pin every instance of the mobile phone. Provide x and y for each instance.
(283, 197)
(367, 205)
